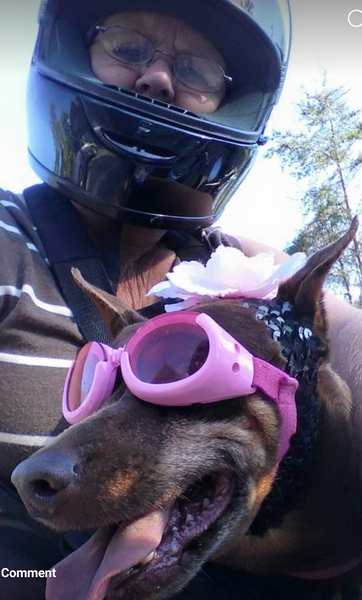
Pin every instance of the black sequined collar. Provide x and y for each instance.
(304, 353)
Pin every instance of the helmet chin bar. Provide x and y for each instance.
(118, 171)
(137, 215)
(134, 158)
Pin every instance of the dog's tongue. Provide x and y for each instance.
(86, 573)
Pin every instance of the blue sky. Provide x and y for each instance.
(265, 207)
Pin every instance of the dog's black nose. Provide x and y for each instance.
(43, 480)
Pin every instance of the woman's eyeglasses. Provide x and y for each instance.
(134, 49)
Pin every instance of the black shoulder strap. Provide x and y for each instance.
(68, 245)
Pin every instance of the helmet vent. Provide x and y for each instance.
(153, 101)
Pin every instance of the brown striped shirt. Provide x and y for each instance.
(38, 339)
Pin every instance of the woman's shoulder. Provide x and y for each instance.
(16, 226)
(9, 199)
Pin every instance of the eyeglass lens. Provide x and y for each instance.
(132, 48)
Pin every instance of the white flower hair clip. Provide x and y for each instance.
(227, 274)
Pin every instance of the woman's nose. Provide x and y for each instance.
(156, 82)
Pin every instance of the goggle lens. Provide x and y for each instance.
(83, 374)
(170, 353)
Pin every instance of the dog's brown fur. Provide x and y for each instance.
(132, 456)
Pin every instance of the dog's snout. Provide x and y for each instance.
(42, 480)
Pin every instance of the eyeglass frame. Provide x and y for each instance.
(101, 29)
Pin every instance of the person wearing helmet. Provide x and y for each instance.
(168, 158)
(144, 118)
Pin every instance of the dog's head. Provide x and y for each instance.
(167, 488)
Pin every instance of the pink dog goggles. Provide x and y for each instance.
(177, 359)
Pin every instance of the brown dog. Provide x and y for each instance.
(198, 483)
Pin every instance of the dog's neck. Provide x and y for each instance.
(303, 352)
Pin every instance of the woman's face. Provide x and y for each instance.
(155, 80)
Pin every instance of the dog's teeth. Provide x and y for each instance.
(189, 519)
(148, 559)
(205, 503)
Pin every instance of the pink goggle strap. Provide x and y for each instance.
(281, 388)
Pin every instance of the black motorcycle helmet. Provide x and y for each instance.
(139, 159)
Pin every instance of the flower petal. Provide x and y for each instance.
(228, 273)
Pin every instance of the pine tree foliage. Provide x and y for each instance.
(326, 154)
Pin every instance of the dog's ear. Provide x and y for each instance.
(115, 313)
(304, 289)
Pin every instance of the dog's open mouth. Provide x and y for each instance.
(147, 549)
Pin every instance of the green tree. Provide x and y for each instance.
(326, 152)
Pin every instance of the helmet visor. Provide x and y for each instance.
(254, 61)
